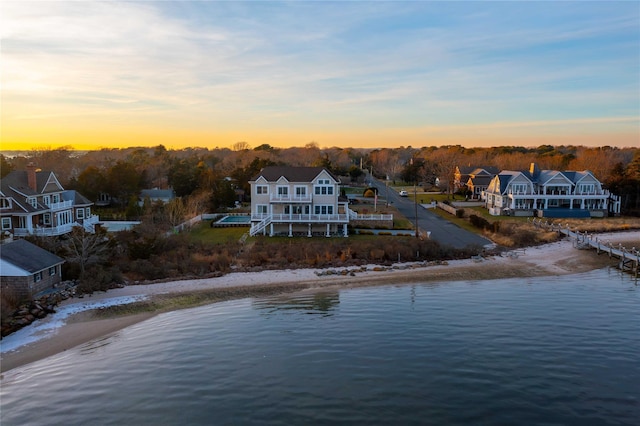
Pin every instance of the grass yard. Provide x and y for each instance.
(203, 232)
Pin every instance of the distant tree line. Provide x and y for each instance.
(213, 179)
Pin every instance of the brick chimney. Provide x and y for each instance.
(31, 176)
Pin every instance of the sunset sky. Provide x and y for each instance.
(347, 74)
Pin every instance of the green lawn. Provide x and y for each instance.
(203, 232)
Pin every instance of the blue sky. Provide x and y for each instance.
(356, 73)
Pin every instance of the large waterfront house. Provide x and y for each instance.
(549, 193)
(302, 201)
(33, 202)
(297, 201)
(26, 269)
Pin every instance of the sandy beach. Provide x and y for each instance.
(76, 322)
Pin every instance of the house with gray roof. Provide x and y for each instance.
(549, 193)
(297, 201)
(478, 175)
(33, 202)
(156, 195)
(26, 269)
(303, 201)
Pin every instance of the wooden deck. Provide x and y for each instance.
(629, 259)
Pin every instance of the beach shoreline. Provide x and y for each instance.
(76, 321)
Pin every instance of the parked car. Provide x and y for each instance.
(404, 194)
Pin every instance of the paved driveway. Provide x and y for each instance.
(442, 231)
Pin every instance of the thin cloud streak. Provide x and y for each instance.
(336, 65)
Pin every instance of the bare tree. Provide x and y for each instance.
(176, 211)
(241, 146)
(86, 248)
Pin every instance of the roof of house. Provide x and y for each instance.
(481, 180)
(18, 180)
(77, 198)
(539, 177)
(292, 174)
(16, 186)
(27, 256)
(474, 170)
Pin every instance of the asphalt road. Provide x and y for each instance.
(442, 231)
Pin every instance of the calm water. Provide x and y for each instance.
(557, 350)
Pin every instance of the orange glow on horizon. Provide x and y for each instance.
(180, 139)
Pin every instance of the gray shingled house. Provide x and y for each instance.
(26, 269)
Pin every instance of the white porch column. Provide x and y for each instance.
(29, 224)
(328, 233)
(570, 203)
(309, 231)
(513, 203)
(582, 204)
(271, 229)
(345, 233)
(546, 203)
(290, 227)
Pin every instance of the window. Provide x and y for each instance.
(323, 209)
(46, 200)
(519, 188)
(300, 209)
(323, 190)
(33, 202)
(283, 191)
(55, 198)
(6, 223)
(262, 189)
(37, 277)
(5, 203)
(80, 214)
(301, 191)
(261, 209)
(52, 271)
(46, 218)
(587, 188)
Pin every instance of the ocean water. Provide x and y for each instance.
(552, 350)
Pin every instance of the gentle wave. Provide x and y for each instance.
(561, 350)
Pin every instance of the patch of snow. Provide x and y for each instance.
(43, 327)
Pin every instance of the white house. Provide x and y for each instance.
(549, 193)
(298, 201)
(33, 202)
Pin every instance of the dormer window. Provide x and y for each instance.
(5, 203)
(324, 187)
(33, 201)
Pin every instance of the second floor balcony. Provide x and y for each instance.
(290, 198)
(60, 205)
(303, 218)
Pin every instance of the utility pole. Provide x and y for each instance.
(415, 202)
(386, 196)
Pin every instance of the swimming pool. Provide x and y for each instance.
(120, 225)
(243, 220)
